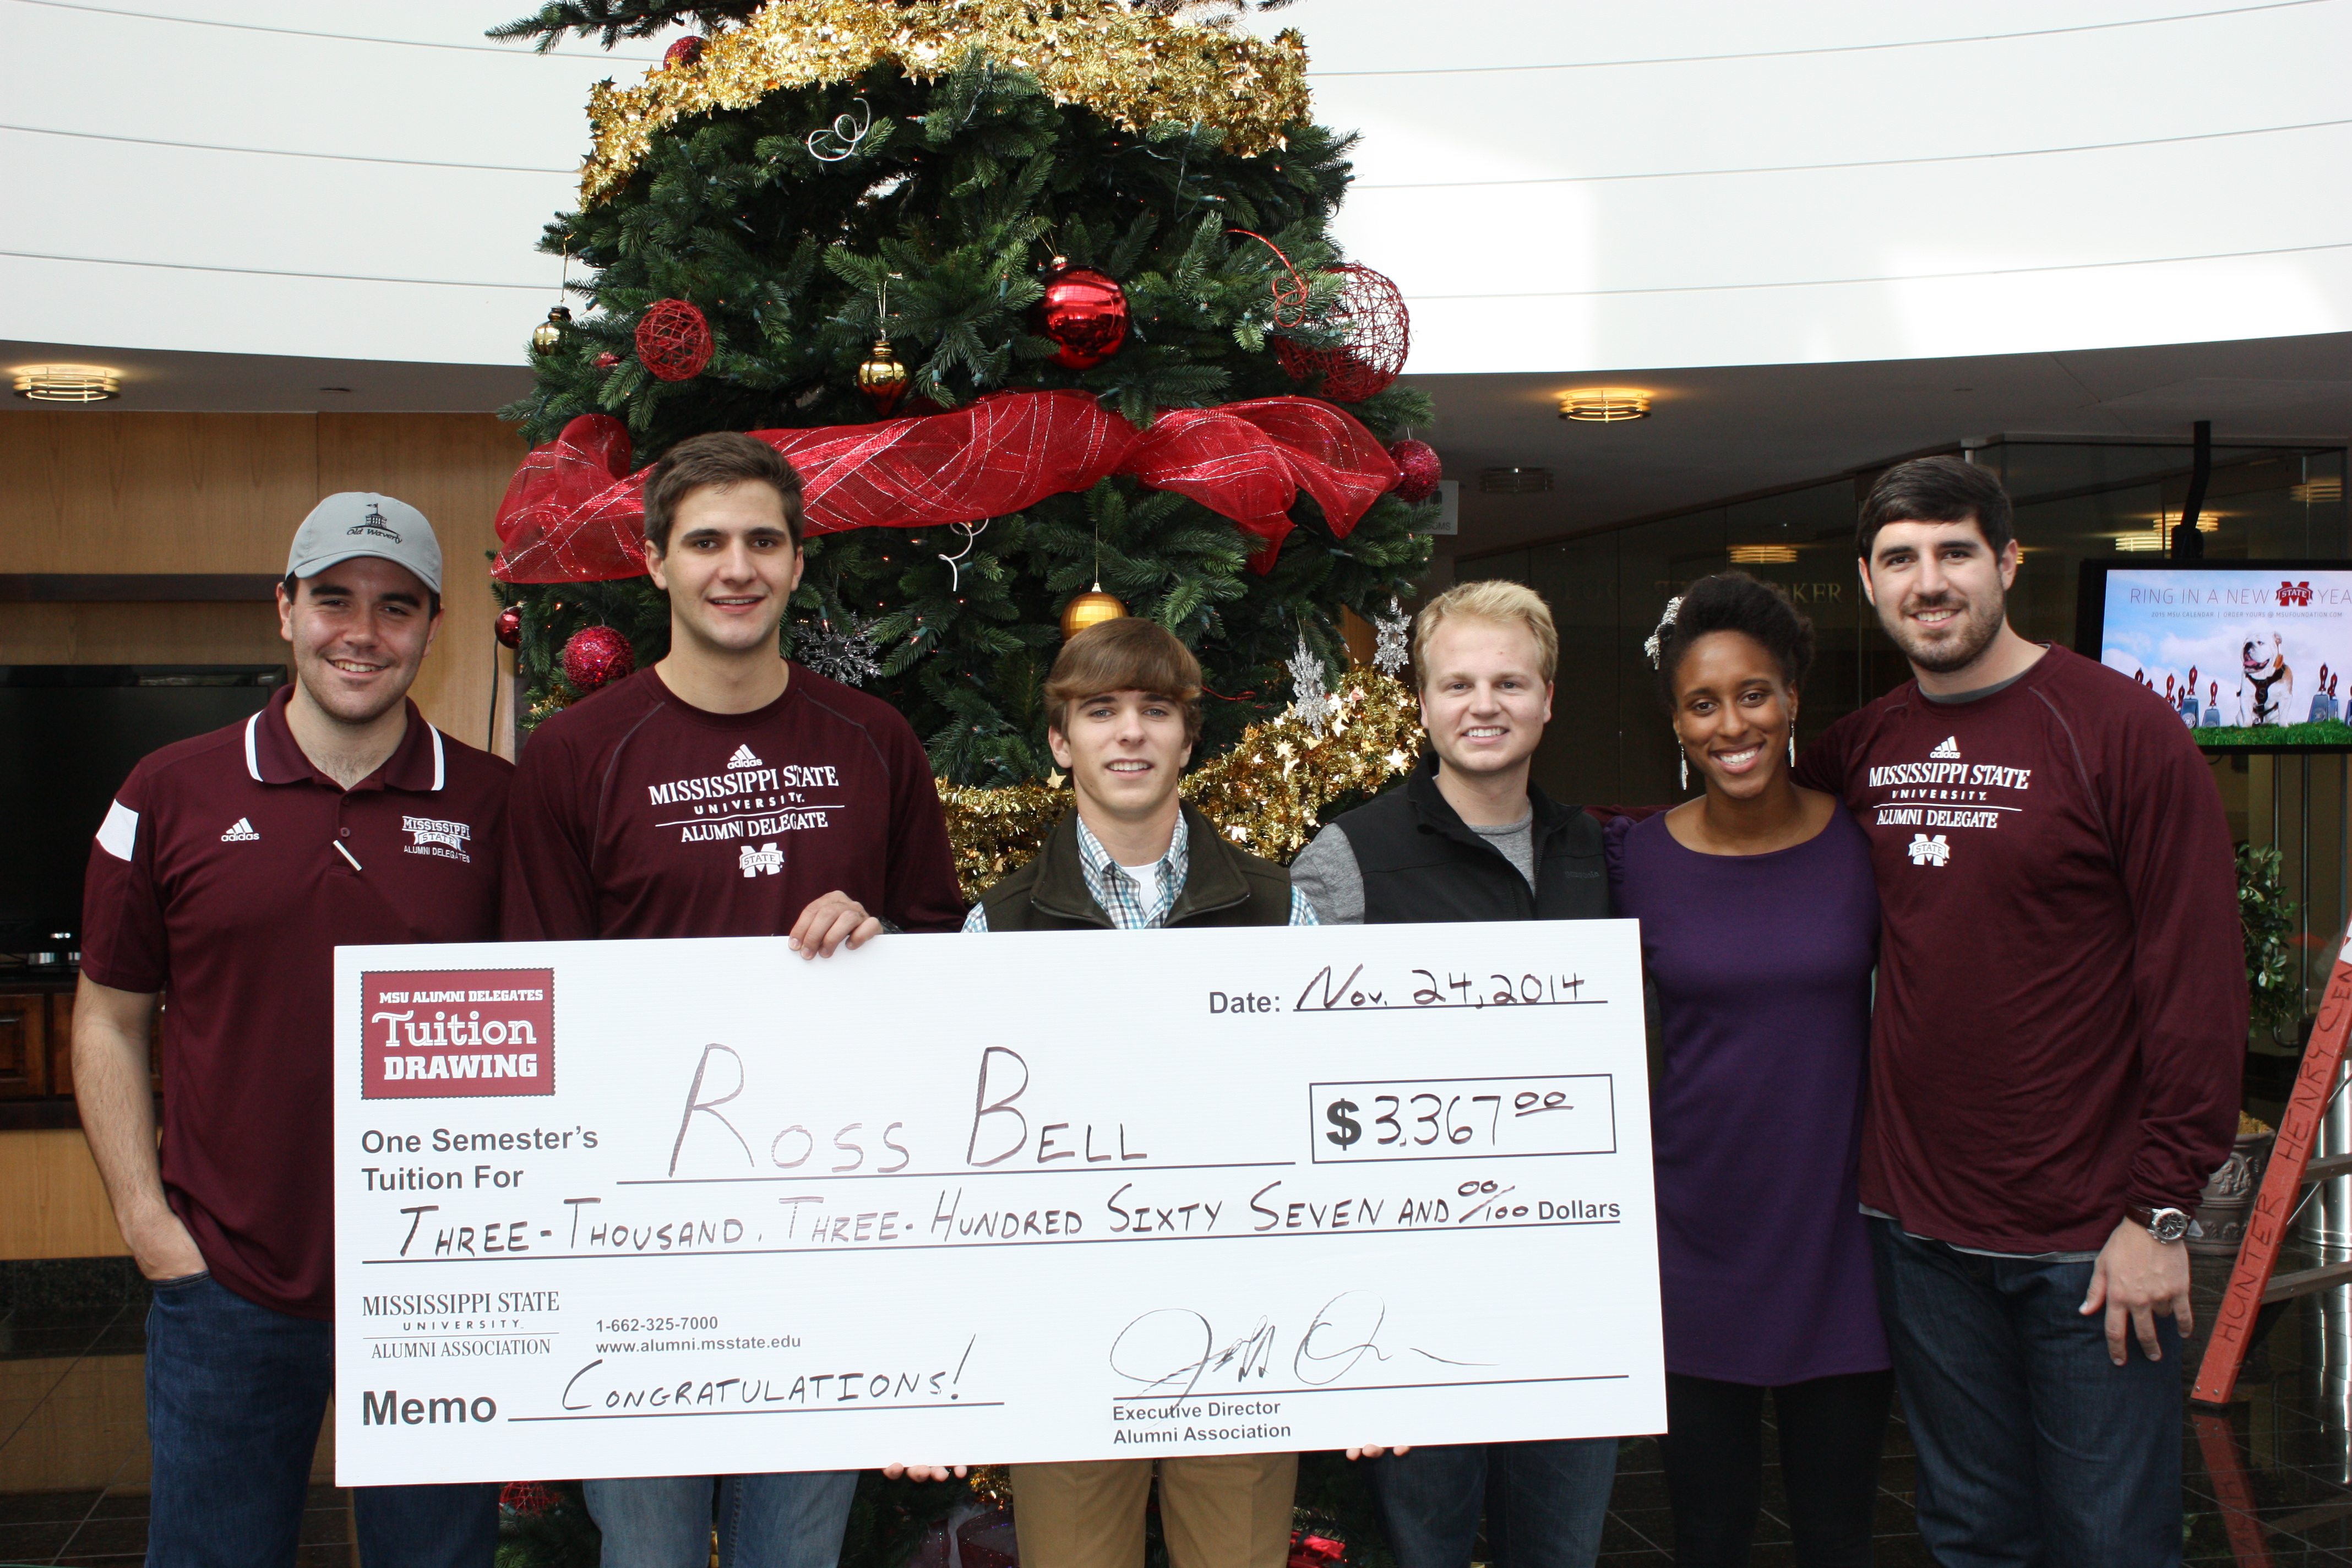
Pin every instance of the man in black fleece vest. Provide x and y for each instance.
(1468, 837)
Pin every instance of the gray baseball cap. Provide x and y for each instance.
(361, 522)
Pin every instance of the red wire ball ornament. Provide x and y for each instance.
(596, 655)
(1417, 461)
(509, 627)
(1085, 313)
(686, 51)
(1375, 334)
(674, 340)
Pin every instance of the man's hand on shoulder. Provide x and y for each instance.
(830, 921)
(2134, 1277)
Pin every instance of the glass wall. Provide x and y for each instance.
(2076, 501)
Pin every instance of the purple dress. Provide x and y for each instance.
(1762, 965)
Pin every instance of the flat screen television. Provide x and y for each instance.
(70, 735)
(2252, 655)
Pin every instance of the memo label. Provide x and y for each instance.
(443, 1034)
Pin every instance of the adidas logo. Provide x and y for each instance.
(242, 833)
(744, 758)
(1950, 748)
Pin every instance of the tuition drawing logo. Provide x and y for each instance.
(445, 1034)
(1927, 851)
(766, 858)
(240, 832)
(1949, 749)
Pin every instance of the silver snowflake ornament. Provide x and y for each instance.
(1310, 703)
(1391, 651)
(838, 650)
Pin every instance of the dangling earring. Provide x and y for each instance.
(1683, 756)
(1793, 745)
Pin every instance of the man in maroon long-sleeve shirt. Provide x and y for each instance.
(726, 792)
(2056, 1053)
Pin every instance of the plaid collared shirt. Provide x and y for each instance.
(1122, 895)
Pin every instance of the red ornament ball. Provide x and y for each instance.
(674, 340)
(686, 51)
(607, 360)
(1085, 313)
(1417, 461)
(509, 627)
(1375, 334)
(596, 655)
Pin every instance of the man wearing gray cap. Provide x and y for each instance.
(228, 870)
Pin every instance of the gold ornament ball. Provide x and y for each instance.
(1089, 609)
(882, 378)
(546, 336)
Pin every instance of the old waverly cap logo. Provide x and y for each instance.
(373, 523)
(445, 1034)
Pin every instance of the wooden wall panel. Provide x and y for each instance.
(55, 1205)
(90, 491)
(87, 490)
(140, 634)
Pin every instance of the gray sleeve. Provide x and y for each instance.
(1325, 871)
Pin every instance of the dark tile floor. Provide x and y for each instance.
(73, 1456)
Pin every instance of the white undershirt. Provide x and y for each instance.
(1146, 882)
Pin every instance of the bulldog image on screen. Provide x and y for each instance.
(2264, 661)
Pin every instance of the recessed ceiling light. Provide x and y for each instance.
(1605, 404)
(66, 382)
(334, 389)
(2318, 492)
(1763, 554)
(1515, 481)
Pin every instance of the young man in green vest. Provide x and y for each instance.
(1124, 705)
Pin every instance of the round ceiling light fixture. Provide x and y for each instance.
(1605, 404)
(66, 382)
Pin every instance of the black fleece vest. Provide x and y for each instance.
(1421, 862)
(1222, 886)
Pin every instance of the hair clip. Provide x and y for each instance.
(1655, 644)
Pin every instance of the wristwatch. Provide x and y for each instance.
(2165, 1225)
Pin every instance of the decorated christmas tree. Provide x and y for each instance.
(1043, 301)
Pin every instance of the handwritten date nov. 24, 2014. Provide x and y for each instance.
(1461, 1118)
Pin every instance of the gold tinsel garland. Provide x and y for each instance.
(1134, 68)
(1266, 792)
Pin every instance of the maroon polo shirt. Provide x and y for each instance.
(636, 814)
(227, 874)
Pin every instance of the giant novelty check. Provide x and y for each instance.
(684, 1208)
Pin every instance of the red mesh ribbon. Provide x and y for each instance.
(574, 513)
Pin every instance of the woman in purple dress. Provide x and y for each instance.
(1759, 931)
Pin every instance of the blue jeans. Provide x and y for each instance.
(2034, 1447)
(236, 1394)
(1545, 1503)
(791, 1518)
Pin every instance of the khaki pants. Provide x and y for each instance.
(1220, 1511)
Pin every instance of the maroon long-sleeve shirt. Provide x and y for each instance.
(2061, 1019)
(634, 815)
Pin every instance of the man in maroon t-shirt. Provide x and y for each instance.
(2055, 1049)
(228, 870)
(726, 792)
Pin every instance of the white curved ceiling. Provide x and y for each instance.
(1556, 187)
